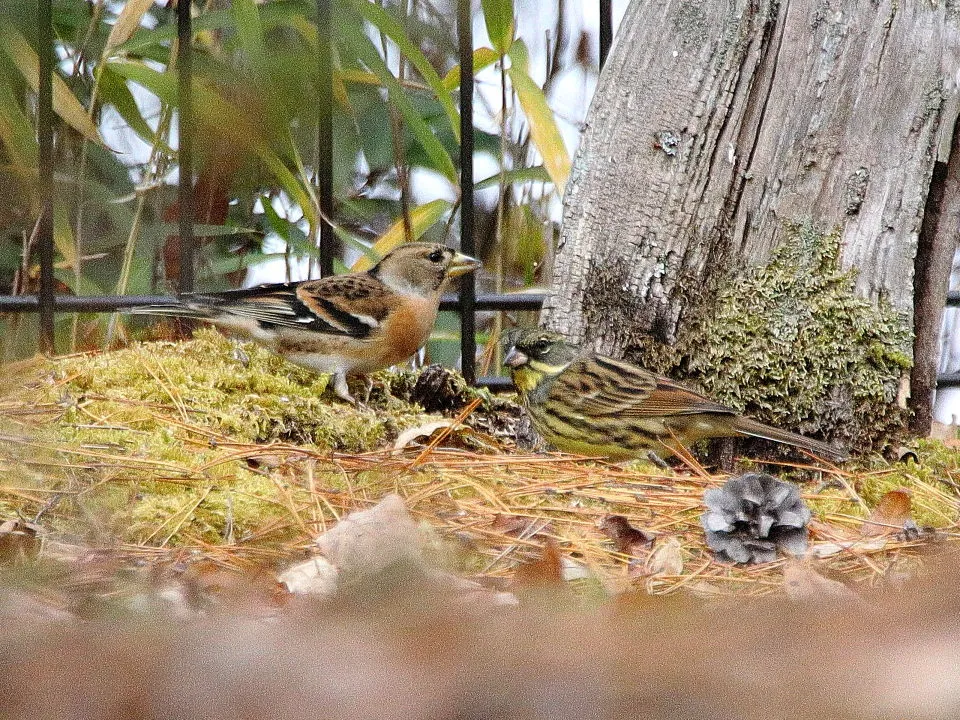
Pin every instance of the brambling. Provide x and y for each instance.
(594, 405)
(342, 324)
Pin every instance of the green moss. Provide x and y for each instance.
(242, 391)
(150, 434)
(792, 344)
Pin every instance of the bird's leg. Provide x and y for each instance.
(341, 388)
(368, 386)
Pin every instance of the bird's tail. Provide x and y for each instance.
(746, 426)
(175, 310)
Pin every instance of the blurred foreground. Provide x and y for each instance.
(411, 654)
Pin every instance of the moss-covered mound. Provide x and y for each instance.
(143, 443)
(792, 344)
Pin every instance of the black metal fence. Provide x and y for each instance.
(467, 302)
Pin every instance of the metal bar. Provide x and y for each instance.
(948, 380)
(495, 301)
(325, 137)
(185, 282)
(45, 51)
(109, 303)
(953, 298)
(606, 30)
(468, 287)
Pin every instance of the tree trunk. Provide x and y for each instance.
(716, 124)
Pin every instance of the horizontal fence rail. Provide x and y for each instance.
(466, 303)
(111, 303)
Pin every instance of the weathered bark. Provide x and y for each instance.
(716, 123)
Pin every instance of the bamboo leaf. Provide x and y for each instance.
(537, 173)
(114, 91)
(201, 230)
(389, 26)
(482, 58)
(272, 14)
(63, 235)
(422, 218)
(363, 48)
(16, 130)
(65, 104)
(543, 127)
(498, 15)
(127, 23)
(211, 109)
(160, 83)
(250, 34)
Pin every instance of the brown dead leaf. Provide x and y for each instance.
(543, 574)
(208, 583)
(18, 542)
(891, 515)
(628, 539)
(801, 582)
(367, 542)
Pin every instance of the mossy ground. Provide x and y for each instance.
(222, 450)
(149, 434)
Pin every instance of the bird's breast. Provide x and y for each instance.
(407, 329)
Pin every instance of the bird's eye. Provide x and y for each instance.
(435, 256)
(541, 346)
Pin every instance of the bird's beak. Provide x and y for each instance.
(462, 264)
(515, 358)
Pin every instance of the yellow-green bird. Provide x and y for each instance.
(590, 404)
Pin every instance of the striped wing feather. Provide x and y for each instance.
(599, 386)
(349, 305)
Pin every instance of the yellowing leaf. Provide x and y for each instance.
(65, 104)
(127, 23)
(63, 235)
(543, 127)
(482, 58)
(421, 219)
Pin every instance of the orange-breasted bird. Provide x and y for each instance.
(342, 324)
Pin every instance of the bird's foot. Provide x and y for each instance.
(342, 390)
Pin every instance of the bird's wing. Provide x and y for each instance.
(601, 386)
(357, 303)
(351, 305)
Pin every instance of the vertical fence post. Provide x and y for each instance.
(468, 288)
(185, 283)
(325, 136)
(606, 30)
(44, 237)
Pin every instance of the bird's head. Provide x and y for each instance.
(536, 355)
(421, 268)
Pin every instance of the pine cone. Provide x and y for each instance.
(754, 515)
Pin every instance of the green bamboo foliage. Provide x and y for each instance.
(254, 86)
